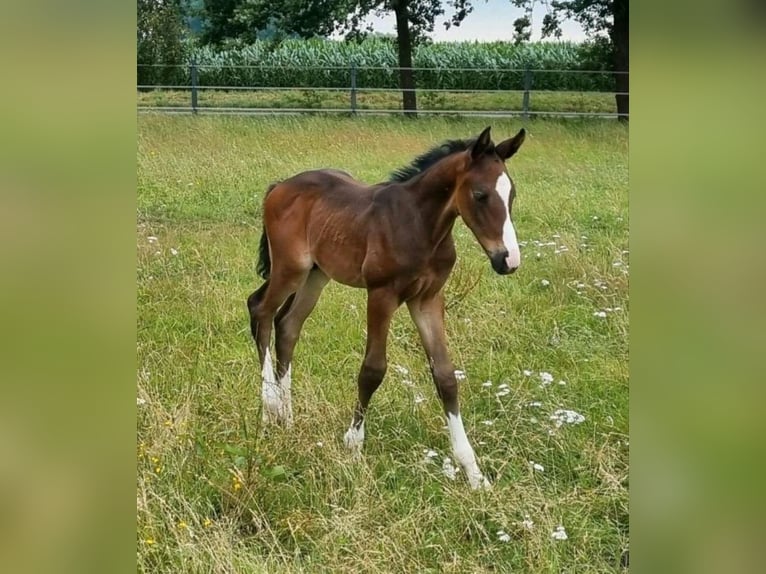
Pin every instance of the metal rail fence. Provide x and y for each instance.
(348, 96)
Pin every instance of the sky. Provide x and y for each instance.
(490, 20)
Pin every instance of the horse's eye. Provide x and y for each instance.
(480, 195)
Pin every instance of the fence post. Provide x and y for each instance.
(193, 70)
(527, 87)
(353, 89)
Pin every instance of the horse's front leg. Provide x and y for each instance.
(428, 315)
(381, 305)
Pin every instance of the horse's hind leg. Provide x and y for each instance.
(288, 324)
(263, 305)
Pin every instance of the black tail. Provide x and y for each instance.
(264, 260)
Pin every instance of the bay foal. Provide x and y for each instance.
(393, 239)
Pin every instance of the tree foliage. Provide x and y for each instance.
(243, 19)
(160, 49)
(604, 21)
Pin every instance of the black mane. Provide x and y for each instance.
(423, 162)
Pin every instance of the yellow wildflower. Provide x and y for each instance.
(149, 541)
(207, 522)
(182, 524)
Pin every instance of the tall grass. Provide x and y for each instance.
(218, 493)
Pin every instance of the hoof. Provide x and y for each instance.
(479, 483)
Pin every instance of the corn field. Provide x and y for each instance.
(449, 65)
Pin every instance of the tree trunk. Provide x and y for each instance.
(619, 37)
(406, 77)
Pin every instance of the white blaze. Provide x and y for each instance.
(503, 187)
(463, 451)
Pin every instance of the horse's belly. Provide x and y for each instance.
(339, 262)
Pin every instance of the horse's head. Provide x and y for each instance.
(484, 199)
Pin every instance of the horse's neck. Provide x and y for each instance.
(434, 191)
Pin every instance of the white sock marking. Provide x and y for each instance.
(354, 437)
(463, 452)
(276, 400)
(503, 187)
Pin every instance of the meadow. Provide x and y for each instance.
(544, 353)
(509, 101)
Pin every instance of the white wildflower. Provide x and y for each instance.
(448, 468)
(546, 378)
(502, 536)
(173, 251)
(535, 404)
(429, 455)
(152, 239)
(401, 370)
(486, 384)
(488, 423)
(537, 466)
(601, 314)
(545, 282)
(527, 373)
(419, 399)
(527, 523)
(503, 392)
(559, 533)
(566, 416)
(140, 401)
(562, 383)
(320, 444)
(460, 375)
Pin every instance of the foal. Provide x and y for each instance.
(393, 239)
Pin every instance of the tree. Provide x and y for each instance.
(159, 34)
(602, 20)
(414, 19)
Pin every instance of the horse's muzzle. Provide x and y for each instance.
(499, 262)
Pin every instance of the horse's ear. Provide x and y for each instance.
(510, 146)
(481, 144)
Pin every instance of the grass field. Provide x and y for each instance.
(579, 102)
(218, 493)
